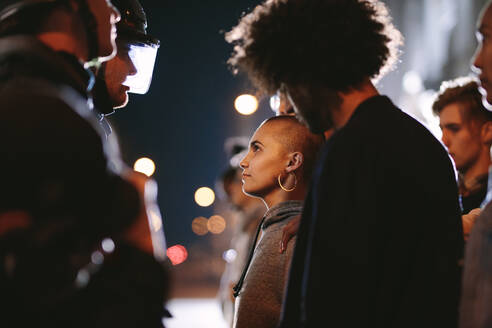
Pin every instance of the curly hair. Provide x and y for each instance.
(335, 43)
(463, 90)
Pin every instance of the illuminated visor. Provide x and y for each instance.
(143, 58)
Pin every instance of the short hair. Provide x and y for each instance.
(335, 43)
(463, 90)
(295, 136)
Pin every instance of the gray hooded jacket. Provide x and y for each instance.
(261, 290)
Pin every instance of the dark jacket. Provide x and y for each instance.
(55, 168)
(381, 235)
(24, 56)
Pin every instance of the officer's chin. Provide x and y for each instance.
(122, 101)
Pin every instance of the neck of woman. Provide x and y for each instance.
(278, 195)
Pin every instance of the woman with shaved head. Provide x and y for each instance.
(276, 169)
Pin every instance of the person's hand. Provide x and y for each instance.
(468, 221)
(289, 231)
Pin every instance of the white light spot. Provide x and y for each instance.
(155, 220)
(412, 82)
(108, 245)
(246, 104)
(275, 102)
(204, 196)
(144, 165)
(229, 255)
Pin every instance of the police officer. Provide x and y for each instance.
(59, 198)
(132, 67)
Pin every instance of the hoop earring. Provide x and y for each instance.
(285, 189)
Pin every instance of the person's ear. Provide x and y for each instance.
(295, 161)
(486, 133)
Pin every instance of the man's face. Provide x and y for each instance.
(106, 16)
(482, 63)
(312, 107)
(116, 72)
(462, 140)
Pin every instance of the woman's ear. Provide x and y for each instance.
(486, 133)
(295, 161)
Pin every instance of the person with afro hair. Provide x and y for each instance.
(380, 238)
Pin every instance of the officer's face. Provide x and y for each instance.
(116, 72)
(106, 16)
(482, 63)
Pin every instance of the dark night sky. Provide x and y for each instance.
(184, 119)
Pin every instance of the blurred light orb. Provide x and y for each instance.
(97, 258)
(199, 225)
(155, 219)
(246, 104)
(144, 165)
(204, 196)
(108, 245)
(216, 224)
(412, 82)
(177, 254)
(83, 277)
(275, 102)
(229, 255)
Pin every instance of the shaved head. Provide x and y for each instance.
(296, 137)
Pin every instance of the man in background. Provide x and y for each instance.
(467, 133)
(381, 234)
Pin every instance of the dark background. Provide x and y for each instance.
(185, 118)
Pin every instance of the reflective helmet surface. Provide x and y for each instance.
(133, 24)
(132, 30)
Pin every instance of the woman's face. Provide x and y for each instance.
(265, 160)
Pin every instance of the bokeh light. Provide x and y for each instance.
(144, 165)
(204, 196)
(216, 224)
(246, 104)
(155, 219)
(97, 258)
(275, 102)
(177, 254)
(412, 82)
(230, 255)
(108, 245)
(199, 225)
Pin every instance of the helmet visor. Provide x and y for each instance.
(143, 58)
